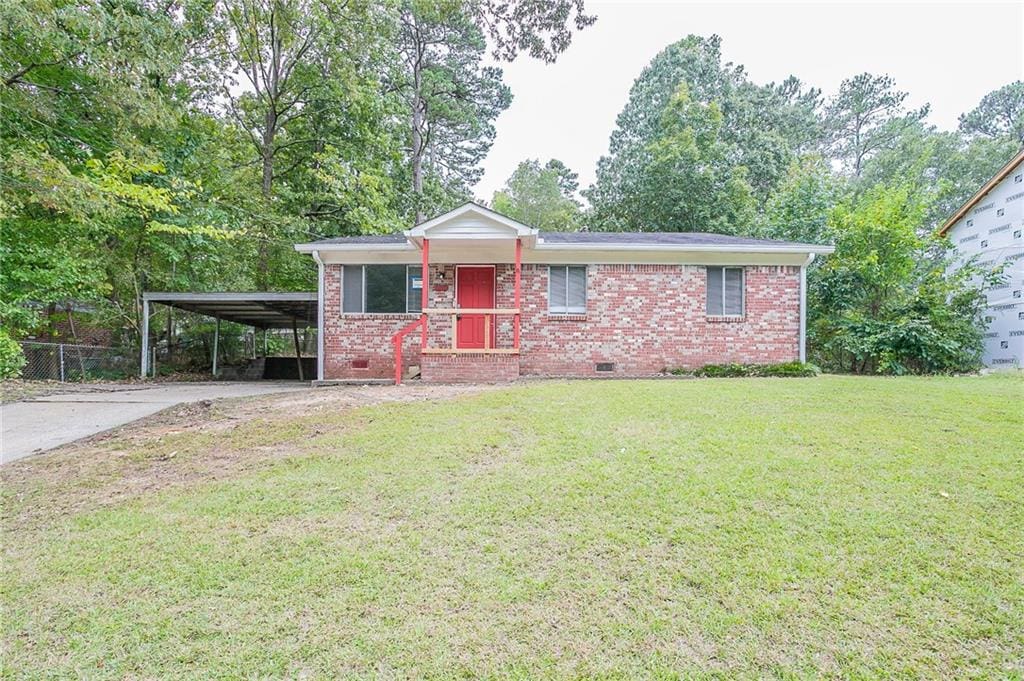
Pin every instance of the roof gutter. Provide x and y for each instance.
(648, 248)
(314, 247)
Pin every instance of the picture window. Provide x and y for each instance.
(381, 289)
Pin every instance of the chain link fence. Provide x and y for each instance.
(69, 362)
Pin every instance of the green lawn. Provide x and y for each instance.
(856, 527)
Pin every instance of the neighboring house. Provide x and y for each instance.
(990, 229)
(501, 300)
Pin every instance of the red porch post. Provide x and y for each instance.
(425, 293)
(519, 271)
(397, 342)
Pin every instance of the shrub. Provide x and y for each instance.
(784, 370)
(12, 359)
(787, 370)
(891, 302)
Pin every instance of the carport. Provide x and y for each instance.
(259, 310)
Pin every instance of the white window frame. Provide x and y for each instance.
(362, 284)
(566, 311)
(743, 291)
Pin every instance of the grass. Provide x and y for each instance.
(838, 526)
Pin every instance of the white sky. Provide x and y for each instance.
(947, 54)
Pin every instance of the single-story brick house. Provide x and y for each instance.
(473, 295)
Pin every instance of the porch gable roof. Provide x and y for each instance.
(471, 221)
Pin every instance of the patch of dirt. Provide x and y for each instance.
(188, 444)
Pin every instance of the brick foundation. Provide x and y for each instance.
(641, 319)
(469, 368)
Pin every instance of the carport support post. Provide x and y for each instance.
(216, 342)
(144, 360)
(298, 354)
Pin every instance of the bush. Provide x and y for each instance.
(12, 359)
(784, 370)
(787, 370)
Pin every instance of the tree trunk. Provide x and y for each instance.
(266, 188)
(418, 115)
(417, 150)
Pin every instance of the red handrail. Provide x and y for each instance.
(396, 340)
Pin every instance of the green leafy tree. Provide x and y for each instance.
(541, 29)
(690, 184)
(541, 196)
(92, 112)
(944, 168)
(885, 301)
(452, 96)
(866, 116)
(295, 87)
(999, 114)
(800, 209)
(762, 126)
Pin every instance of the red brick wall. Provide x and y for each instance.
(641, 318)
(648, 318)
(357, 337)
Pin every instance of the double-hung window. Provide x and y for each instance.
(725, 292)
(381, 288)
(567, 289)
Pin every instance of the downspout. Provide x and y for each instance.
(803, 307)
(319, 316)
(144, 359)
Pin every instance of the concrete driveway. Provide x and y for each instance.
(42, 423)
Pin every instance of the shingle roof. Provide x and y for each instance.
(397, 238)
(603, 238)
(658, 239)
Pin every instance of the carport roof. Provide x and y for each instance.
(256, 308)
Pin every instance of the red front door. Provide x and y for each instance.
(474, 288)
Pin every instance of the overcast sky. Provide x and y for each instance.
(947, 54)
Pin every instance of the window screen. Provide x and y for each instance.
(381, 288)
(567, 289)
(725, 291)
(352, 288)
(414, 294)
